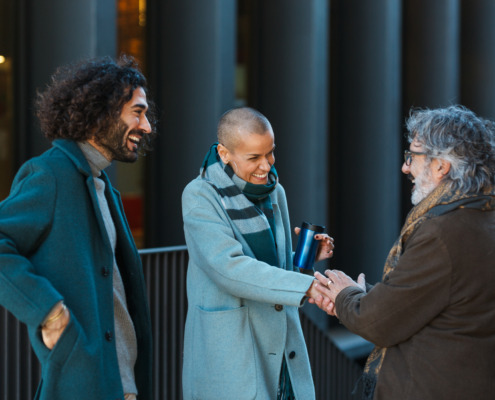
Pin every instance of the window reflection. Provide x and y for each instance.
(131, 25)
(6, 97)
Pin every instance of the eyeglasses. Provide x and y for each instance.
(408, 156)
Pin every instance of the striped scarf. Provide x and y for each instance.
(439, 202)
(248, 205)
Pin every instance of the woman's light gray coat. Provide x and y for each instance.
(243, 313)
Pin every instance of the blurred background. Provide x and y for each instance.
(336, 78)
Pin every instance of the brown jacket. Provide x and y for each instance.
(435, 313)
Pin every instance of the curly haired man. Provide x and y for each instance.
(69, 268)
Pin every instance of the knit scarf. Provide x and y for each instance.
(249, 206)
(440, 201)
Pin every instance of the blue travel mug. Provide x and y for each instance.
(306, 247)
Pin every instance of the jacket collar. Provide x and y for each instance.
(72, 150)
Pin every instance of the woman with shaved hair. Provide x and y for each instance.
(243, 337)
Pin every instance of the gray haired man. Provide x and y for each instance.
(432, 317)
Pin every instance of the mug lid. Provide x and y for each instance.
(312, 227)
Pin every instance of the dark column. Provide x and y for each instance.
(431, 53)
(292, 92)
(366, 133)
(192, 58)
(431, 61)
(478, 56)
(59, 32)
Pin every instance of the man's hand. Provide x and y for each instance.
(330, 285)
(54, 326)
(324, 302)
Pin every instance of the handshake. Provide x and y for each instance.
(325, 289)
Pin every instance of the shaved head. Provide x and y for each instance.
(240, 121)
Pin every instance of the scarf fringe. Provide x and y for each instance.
(364, 389)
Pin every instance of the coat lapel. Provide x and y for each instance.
(72, 150)
(279, 233)
(124, 236)
(125, 241)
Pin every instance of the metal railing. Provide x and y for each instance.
(165, 272)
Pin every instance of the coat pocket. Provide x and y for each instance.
(73, 368)
(224, 355)
(66, 343)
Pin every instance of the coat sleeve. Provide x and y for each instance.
(25, 220)
(415, 292)
(214, 248)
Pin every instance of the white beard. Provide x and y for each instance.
(423, 186)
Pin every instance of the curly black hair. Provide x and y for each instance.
(85, 99)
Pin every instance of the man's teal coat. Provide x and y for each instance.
(54, 246)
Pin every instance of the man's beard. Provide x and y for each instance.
(115, 142)
(423, 186)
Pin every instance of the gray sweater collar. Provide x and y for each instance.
(96, 160)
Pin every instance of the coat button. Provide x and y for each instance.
(292, 354)
(108, 336)
(105, 271)
(279, 307)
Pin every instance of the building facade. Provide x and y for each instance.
(336, 79)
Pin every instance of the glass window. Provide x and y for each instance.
(6, 95)
(131, 40)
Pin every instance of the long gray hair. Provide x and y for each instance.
(455, 134)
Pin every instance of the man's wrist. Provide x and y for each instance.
(58, 311)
